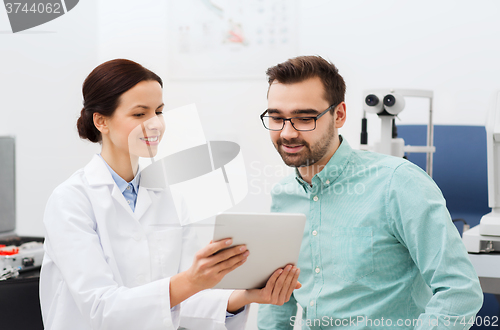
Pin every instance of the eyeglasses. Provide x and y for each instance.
(302, 124)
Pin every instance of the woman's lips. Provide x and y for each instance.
(292, 148)
(151, 140)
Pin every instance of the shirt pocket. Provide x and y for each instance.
(352, 253)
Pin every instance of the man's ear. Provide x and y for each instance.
(101, 123)
(340, 115)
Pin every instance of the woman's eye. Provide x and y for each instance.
(138, 114)
(159, 113)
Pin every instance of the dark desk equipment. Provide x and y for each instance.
(19, 302)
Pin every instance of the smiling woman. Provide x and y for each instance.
(116, 255)
(123, 114)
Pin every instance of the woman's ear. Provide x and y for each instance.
(100, 123)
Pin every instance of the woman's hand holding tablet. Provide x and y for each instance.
(277, 291)
(210, 265)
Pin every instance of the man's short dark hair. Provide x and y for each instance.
(302, 68)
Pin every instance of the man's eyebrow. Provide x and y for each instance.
(273, 111)
(295, 112)
(305, 112)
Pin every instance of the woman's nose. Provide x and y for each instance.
(154, 123)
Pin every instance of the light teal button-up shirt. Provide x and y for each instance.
(379, 249)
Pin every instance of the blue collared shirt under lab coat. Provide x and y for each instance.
(379, 246)
(128, 189)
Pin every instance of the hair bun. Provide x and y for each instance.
(86, 127)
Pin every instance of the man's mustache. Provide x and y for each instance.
(294, 141)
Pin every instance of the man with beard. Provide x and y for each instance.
(379, 249)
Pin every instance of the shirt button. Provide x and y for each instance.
(128, 202)
(327, 182)
(128, 187)
(315, 233)
(315, 198)
(311, 303)
(317, 270)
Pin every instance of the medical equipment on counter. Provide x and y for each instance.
(387, 104)
(20, 253)
(7, 186)
(485, 237)
(21, 256)
(8, 272)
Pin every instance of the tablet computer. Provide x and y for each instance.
(273, 240)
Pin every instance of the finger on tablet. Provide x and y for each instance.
(282, 298)
(213, 247)
(233, 263)
(293, 284)
(278, 286)
(228, 253)
(272, 280)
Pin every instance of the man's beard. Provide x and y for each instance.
(309, 155)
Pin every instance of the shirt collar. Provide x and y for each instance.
(120, 182)
(333, 168)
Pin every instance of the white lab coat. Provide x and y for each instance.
(106, 267)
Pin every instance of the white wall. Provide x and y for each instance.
(448, 46)
(41, 73)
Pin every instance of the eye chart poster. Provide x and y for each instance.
(218, 39)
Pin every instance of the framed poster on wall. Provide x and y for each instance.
(220, 39)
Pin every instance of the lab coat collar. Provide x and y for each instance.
(97, 174)
(120, 182)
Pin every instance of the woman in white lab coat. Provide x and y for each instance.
(116, 254)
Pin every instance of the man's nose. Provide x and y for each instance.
(288, 132)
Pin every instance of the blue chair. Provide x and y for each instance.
(460, 171)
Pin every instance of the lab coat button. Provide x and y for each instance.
(137, 237)
(315, 198)
(314, 233)
(317, 270)
(311, 303)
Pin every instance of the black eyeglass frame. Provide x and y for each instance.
(262, 116)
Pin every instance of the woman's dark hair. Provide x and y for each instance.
(102, 90)
(301, 68)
